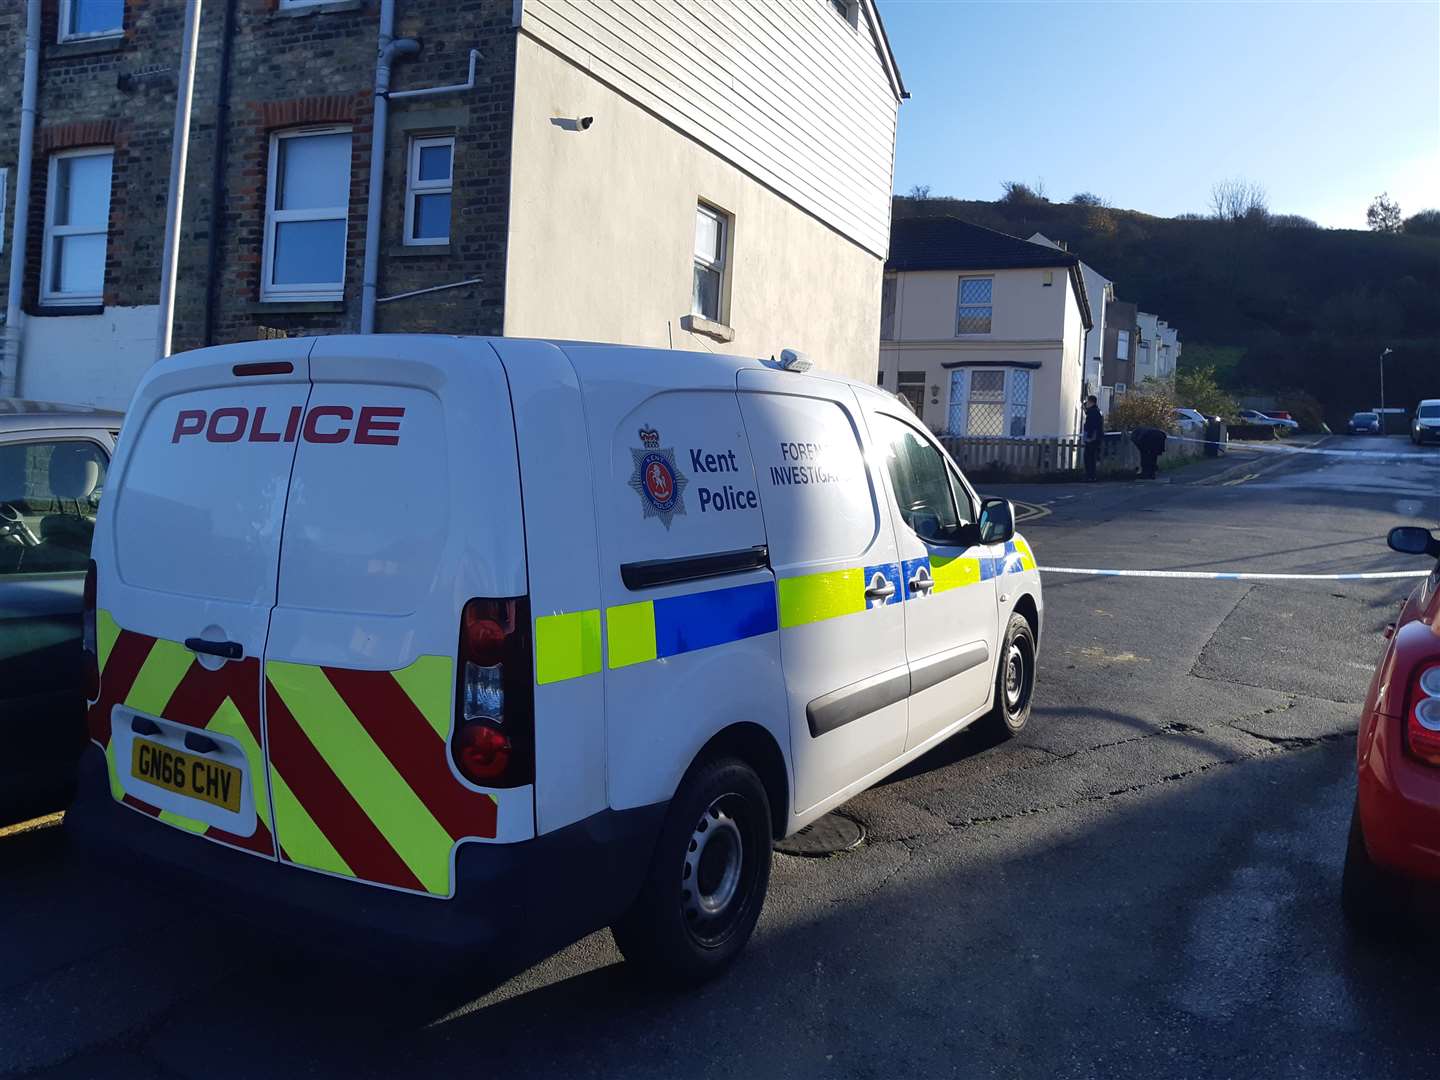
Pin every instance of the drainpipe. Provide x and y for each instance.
(390, 48)
(179, 158)
(19, 232)
(218, 161)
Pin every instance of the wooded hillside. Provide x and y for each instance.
(1275, 308)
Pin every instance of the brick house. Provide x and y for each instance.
(603, 177)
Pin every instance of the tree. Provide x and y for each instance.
(1293, 221)
(1197, 388)
(1151, 404)
(920, 191)
(1086, 198)
(1384, 214)
(1017, 191)
(1425, 223)
(1238, 200)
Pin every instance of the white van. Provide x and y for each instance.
(490, 643)
(1426, 424)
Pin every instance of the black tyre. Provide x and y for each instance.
(1372, 899)
(1014, 681)
(707, 879)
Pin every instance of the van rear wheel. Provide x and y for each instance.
(1014, 681)
(707, 879)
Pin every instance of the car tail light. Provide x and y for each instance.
(494, 741)
(1422, 715)
(90, 658)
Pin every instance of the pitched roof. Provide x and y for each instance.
(947, 243)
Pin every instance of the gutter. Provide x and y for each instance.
(19, 232)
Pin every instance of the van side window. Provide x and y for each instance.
(49, 492)
(921, 480)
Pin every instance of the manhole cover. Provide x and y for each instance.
(831, 834)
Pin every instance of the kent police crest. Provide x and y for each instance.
(657, 479)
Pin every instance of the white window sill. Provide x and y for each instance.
(698, 324)
(71, 300)
(302, 298)
(99, 35)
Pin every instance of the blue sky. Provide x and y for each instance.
(1149, 103)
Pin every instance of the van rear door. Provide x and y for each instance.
(188, 546)
(404, 506)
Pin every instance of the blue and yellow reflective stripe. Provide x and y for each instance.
(672, 625)
(568, 645)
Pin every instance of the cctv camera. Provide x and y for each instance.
(585, 122)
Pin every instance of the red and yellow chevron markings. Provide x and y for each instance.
(361, 777)
(163, 678)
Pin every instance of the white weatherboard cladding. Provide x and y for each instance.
(785, 89)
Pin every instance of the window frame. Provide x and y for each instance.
(961, 306)
(901, 382)
(67, 8)
(1122, 345)
(329, 290)
(725, 226)
(293, 4)
(57, 437)
(4, 204)
(50, 297)
(851, 12)
(415, 187)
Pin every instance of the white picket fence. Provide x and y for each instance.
(1032, 457)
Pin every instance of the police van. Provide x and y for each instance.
(486, 644)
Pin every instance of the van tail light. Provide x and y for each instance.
(494, 741)
(90, 658)
(1422, 715)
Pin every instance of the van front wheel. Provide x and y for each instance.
(1014, 681)
(707, 879)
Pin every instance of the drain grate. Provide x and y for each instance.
(829, 835)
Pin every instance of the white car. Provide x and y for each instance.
(484, 644)
(1250, 416)
(1192, 422)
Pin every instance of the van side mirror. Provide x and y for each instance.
(997, 521)
(1413, 540)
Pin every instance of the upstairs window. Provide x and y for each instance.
(307, 209)
(712, 229)
(428, 185)
(849, 10)
(77, 220)
(91, 18)
(1122, 345)
(973, 309)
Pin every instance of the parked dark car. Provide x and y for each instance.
(53, 460)
(1363, 423)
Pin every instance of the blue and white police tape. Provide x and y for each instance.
(1278, 448)
(1206, 575)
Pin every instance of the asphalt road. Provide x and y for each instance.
(1145, 884)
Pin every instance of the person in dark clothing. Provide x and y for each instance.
(1151, 444)
(1094, 435)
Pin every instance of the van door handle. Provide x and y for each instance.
(880, 592)
(230, 650)
(919, 584)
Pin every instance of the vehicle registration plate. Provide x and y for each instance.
(186, 774)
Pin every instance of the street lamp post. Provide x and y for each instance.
(1384, 354)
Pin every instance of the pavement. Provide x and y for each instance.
(1144, 884)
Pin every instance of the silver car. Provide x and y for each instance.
(53, 461)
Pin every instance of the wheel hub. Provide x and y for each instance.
(1014, 676)
(710, 877)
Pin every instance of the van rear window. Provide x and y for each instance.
(202, 517)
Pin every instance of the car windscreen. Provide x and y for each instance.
(1365, 418)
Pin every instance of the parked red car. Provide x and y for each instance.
(1393, 857)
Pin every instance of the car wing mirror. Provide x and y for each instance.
(997, 521)
(1413, 540)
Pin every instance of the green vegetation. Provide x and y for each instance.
(1273, 306)
(1152, 404)
(1197, 388)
